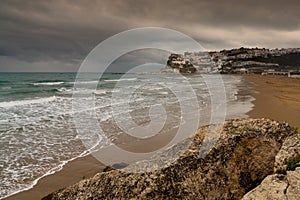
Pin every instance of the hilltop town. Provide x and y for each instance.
(242, 60)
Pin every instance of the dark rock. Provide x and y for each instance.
(255, 60)
(180, 64)
(119, 165)
(108, 168)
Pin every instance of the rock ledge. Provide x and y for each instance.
(242, 158)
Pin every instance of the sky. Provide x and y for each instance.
(57, 35)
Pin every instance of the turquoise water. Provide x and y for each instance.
(37, 132)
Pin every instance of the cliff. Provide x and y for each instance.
(250, 60)
(178, 64)
(247, 151)
(256, 59)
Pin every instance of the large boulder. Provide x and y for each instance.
(277, 187)
(286, 185)
(240, 160)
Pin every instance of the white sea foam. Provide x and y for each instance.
(164, 93)
(63, 89)
(26, 102)
(51, 171)
(49, 83)
(121, 79)
(6, 88)
(84, 82)
(100, 92)
(39, 128)
(85, 91)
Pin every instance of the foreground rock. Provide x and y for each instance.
(241, 159)
(277, 187)
(281, 186)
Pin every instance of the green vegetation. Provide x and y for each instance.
(290, 165)
(294, 129)
(281, 171)
(293, 163)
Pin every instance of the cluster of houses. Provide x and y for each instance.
(290, 73)
(284, 62)
(265, 72)
(202, 61)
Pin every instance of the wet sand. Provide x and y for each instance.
(71, 173)
(277, 97)
(88, 166)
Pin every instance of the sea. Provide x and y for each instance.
(37, 131)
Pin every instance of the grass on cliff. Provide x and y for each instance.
(294, 129)
(291, 165)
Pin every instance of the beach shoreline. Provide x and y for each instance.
(71, 173)
(275, 98)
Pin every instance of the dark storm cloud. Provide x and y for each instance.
(38, 31)
(276, 14)
(66, 30)
(137, 58)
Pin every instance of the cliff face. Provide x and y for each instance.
(180, 65)
(277, 187)
(254, 60)
(243, 156)
(284, 186)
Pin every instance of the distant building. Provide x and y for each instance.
(273, 72)
(294, 74)
(244, 70)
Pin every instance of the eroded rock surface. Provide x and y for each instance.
(179, 64)
(277, 187)
(242, 157)
(289, 150)
(280, 186)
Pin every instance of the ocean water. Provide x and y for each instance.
(37, 131)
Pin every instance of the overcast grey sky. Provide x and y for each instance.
(56, 35)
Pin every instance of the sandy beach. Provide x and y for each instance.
(276, 97)
(71, 173)
(88, 166)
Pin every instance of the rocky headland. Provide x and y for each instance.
(250, 60)
(251, 160)
(179, 64)
(256, 60)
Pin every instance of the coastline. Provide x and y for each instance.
(71, 173)
(276, 98)
(86, 167)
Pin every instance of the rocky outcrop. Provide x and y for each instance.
(289, 150)
(240, 160)
(277, 187)
(242, 60)
(256, 60)
(284, 186)
(179, 64)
